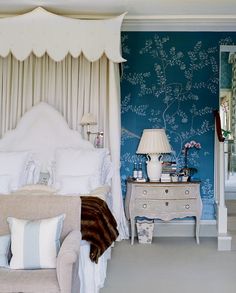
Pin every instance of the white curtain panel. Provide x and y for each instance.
(74, 86)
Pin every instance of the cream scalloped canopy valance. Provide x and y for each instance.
(40, 31)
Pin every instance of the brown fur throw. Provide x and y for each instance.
(98, 226)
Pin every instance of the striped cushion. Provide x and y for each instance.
(4, 250)
(35, 244)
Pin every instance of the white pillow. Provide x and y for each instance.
(13, 164)
(35, 244)
(5, 181)
(70, 185)
(79, 162)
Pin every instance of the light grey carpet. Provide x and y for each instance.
(171, 265)
(233, 242)
(232, 230)
(231, 207)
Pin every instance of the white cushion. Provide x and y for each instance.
(35, 244)
(79, 162)
(5, 182)
(14, 164)
(4, 250)
(75, 185)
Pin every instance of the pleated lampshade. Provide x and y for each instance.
(88, 118)
(154, 141)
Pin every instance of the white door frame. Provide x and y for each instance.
(224, 239)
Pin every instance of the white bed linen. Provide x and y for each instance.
(92, 276)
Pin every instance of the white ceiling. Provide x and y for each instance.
(146, 15)
(135, 8)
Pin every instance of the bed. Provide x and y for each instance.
(43, 155)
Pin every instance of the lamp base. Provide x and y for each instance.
(154, 168)
(154, 180)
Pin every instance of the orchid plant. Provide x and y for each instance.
(187, 147)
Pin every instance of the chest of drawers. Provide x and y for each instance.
(164, 201)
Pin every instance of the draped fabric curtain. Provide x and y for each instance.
(74, 86)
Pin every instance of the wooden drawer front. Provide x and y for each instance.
(166, 192)
(164, 206)
(189, 191)
(185, 205)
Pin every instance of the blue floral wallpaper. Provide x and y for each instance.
(171, 81)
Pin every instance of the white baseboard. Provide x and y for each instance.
(224, 242)
(231, 206)
(230, 195)
(184, 228)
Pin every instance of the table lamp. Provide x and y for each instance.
(153, 143)
(87, 120)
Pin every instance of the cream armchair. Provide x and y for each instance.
(63, 279)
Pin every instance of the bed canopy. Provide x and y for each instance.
(72, 65)
(40, 31)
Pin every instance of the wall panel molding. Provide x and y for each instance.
(184, 228)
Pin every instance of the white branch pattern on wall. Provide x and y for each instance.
(171, 84)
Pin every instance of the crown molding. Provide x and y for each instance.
(180, 23)
(163, 22)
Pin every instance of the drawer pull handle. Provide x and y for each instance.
(145, 192)
(187, 206)
(166, 190)
(167, 203)
(186, 191)
(144, 205)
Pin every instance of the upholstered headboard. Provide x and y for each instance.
(41, 131)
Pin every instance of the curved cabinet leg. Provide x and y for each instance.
(197, 229)
(132, 222)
